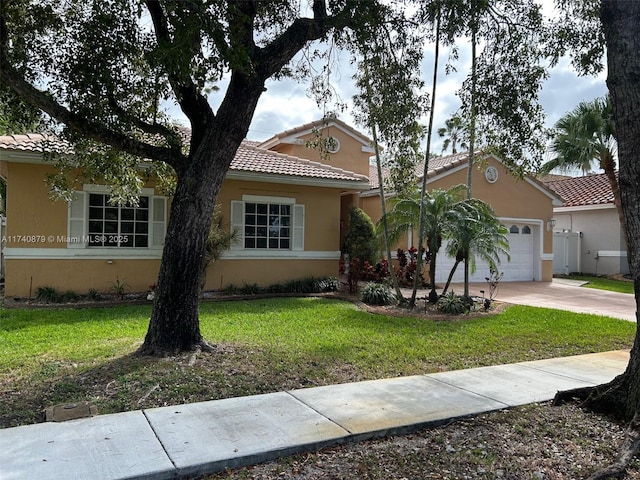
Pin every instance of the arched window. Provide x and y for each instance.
(514, 229)
(526, 230)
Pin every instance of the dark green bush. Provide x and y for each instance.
(360, 239)
(48, 295)
(452, 304)
(93, 294)
(70, 296)
(377, 294)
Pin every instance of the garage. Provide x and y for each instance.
(519, 269)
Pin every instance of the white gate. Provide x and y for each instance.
(566, 253)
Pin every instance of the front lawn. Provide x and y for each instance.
(603, 283)
(58, 356)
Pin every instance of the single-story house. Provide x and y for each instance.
(288, 201)
(588, 236)
(286, 208)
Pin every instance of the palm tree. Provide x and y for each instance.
(584, 136)
(439, 208)
(454, 133)
(477, 232)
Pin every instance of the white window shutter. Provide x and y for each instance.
(77, 214)
(237, 224)
(297, 242)
(159, 221)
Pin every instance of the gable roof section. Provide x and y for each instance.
(293, 135)
(583, 191)
(249, 162)
(442, 166)
(254, 160)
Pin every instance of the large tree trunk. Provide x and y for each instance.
(621, 23)
(174, 324)
(609, 167)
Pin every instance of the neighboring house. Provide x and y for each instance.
(525, 207)
(588, 237)
(287, 210)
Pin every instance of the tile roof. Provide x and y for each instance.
(249, 158)
(34, 142)
(437, 166)
(582, 191)
(258, 160)
(322, 123)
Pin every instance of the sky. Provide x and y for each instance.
(286, 103)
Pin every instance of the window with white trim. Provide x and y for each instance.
(112, 225)
(268, 223)
(95, 223)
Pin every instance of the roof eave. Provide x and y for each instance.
(355, 184)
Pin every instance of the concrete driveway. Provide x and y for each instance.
(563, 295)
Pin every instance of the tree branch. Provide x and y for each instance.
(271, 58)
(170, 135)
(170, 155)
(191, 101)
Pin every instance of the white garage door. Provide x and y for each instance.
(519, 269)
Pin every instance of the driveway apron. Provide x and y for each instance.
(561, 295)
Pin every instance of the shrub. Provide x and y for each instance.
(119, 288)
(93, 294)
(48, 295)
(360, 239)
(303, 285)
(452, 304)
(231, 289)
(70, 296)
(377, 294)
(331, 284)
(250, 289)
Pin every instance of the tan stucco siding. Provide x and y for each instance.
(349, 157)
(511, 198)
(266, 272)
(33, 219)
(78, 275)
(322, 208)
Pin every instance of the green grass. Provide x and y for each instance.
(57, 356)
(602, 283)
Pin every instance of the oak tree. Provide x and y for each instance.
(105, 70)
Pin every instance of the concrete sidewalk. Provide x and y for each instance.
(194, 439)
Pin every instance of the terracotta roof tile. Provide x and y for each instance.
(437, 166)
(34, 142)
(317, 124)
(258, 160)
(588, 190)
(249, 158)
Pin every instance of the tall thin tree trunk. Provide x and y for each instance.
(383, 206)
(472, 136)
(423, 189)
(383, 200)
(451, 273)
